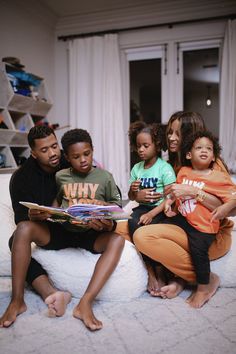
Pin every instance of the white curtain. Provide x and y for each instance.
(228, 97)
(96, 101)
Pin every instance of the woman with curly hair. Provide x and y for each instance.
(168, 244)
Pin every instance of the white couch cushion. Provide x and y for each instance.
(7, 224)
(71, 269)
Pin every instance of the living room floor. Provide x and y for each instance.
(143, 325)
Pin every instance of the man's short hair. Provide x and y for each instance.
(39, 132)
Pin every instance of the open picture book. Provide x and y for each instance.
(81, 212)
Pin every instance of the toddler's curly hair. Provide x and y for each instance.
(187, 145)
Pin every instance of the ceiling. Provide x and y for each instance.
(63, 8)
(201, 66)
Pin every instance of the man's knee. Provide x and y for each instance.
(24, 230)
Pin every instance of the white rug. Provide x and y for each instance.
(225, 266)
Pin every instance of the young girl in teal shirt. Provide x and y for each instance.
(150, 176)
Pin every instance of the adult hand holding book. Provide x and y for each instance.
(38, 215)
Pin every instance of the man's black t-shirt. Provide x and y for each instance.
(30, 183)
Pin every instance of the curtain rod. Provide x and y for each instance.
(168, 24)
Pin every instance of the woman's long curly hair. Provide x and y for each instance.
(190, 123)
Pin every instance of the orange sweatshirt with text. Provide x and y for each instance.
(215, 182)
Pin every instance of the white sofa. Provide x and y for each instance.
(71, 269)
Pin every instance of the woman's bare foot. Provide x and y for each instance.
(14, 309)
(204, 292)
(57, 303)
(84, 312)
(173, 289)
(155, 282)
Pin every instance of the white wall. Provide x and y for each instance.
(61, 85)
(27, 32)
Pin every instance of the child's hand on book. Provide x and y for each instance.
(101, 224)
(79, 223)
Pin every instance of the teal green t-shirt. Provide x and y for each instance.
(158, 176)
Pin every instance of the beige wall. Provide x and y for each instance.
(28, 34)
(29, 31)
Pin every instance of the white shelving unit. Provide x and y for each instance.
(18, 113)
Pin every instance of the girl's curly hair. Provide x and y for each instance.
(156, 130)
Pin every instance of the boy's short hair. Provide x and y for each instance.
(188, 144)
(74, 136)
(39, 132)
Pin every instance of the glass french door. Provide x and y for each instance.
(145, 86)
(200, 75)
(165, 70)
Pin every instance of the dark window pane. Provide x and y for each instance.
(145, 89)
(201, 85)
(145, 93)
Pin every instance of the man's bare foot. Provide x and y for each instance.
(57, 303)
(14, 309)
(173, 289)
(204, 292)
(84, 312)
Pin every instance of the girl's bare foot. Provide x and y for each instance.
(155, 280)
(14, 309)
(57, 303)
(204, 292)
(173, 289)
(153, 286)
(189, 299)
(83, 311)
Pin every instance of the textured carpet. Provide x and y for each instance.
(143, 325)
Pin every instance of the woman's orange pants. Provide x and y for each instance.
(168, 245)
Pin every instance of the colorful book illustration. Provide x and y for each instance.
(81, 212)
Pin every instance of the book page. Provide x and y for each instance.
(50, 210)
(83, 212)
